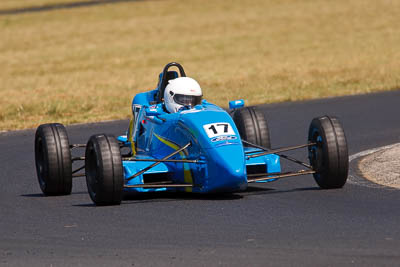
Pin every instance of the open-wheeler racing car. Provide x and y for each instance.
(200, 149)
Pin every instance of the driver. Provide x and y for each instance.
(181, 92)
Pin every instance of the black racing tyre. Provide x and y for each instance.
(53, 159)
(329, 157)
(103, 167)
(252, 126)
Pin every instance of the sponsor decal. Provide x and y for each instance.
(224, 138)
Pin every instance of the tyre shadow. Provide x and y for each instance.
(180, 196)
(43, 195)
(32, 195)
(256, 190)
(154, 197)
(315, 188)
(157, 197)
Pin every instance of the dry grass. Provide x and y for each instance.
(85, 64)
(15, 4)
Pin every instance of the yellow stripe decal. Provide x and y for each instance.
(130, 137)
(170, 144)
(187, 174)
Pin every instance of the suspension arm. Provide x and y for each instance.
(158, 162)
(276, 151)
(281, 155)
(163, 160)
(157, 185)
(280, 175)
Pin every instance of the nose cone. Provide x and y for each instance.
(226, 169)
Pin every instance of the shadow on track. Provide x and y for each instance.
(44, 196)
(154, 197)
(266, 191)
(157, 197)
(52, 7)
(33, 195)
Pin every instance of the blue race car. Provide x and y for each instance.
(178, 142)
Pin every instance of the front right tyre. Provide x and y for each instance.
(104, 172)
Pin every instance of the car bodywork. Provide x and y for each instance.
(214, 161)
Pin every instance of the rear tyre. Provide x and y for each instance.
(103, 167)
(252, 126)
(53, 159)
(329, 157)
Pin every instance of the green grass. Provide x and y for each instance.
(86, 64)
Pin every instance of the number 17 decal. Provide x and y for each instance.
(218, 128)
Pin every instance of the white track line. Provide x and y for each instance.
(355, 179)
(370, 151)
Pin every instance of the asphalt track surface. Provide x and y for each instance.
(287, 223)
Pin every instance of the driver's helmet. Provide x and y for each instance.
(181, 92)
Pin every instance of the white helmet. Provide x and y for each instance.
(180, 92)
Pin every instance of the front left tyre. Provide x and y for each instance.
(104, 172)
(53, 159)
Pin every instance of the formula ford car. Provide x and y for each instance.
(199, 149)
